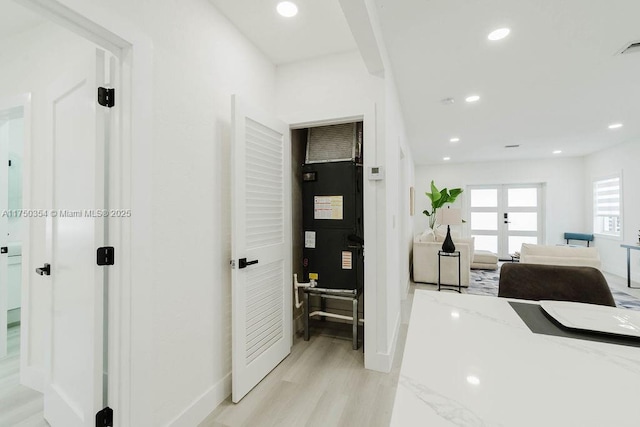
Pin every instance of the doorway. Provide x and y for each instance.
(327, 167)
(48, 61)
(12, 132)
(503, 217)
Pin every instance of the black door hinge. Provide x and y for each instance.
(106, 97)
(9, 162)
(104, 418)
(106, 255)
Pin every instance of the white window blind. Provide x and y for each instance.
(607, 203)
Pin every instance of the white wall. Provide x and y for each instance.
(621, 158)
(31, 61)
(564, 188)
(199, 60)
(339, 86)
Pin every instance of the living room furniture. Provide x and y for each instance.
(425, 260)
(554, 282)
(446, 255)
(559, 255)
(629, 248)
(585, 237)
(484, 260)
(471, 360)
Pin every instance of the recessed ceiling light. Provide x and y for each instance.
(557, 151)
(498, 34)
(446, 158)
(615, 126)
(287, 9)
(454, 140)
(473, 380)
(472, 98)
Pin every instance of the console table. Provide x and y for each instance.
(629, 247)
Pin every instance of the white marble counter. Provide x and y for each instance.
(471, 361)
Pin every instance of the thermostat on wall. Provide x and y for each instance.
(376, 173)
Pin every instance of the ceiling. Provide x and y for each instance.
(555, 83)
(319, 29)
(15, 18)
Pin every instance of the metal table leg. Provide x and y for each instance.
(628, 268)
(306, 316)
(355, 322)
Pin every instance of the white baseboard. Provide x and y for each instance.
(382, 362)
(195, 413)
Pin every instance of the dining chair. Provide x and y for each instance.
(554, 282)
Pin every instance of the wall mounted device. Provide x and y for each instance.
(375, 173)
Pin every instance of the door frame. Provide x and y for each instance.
(129, 175)
(377, 355)
(29, 375)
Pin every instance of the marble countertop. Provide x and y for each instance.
(471, 361)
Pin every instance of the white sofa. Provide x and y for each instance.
(425, 260)
(560, 255)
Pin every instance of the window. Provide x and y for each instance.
(607, 202)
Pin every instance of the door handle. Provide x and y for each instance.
(44, 271)
(243, 263)
(4, 250)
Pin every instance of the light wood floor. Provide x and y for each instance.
(19, 405)
(321, 383)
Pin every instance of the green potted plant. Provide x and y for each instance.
(438, 199)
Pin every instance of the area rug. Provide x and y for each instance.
(485, 282)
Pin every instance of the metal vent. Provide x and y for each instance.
(334, 143)
(631, 48)
(512, 146)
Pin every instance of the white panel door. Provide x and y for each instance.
(74, 342)
(261, 236)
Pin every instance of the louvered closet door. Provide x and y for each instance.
(261, 231)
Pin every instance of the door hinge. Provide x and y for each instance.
(106, 97)
(9, 162)
(106, 255)
(104, 418)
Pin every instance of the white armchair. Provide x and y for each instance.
(425, 261)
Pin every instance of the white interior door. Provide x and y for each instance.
(74, 342)
(503, 217)
(261, 235)
(522, 216)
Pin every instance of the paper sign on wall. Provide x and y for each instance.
(346, 260)
(310, 239)
(327, 207)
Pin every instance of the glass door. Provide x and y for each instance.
(503, 217)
